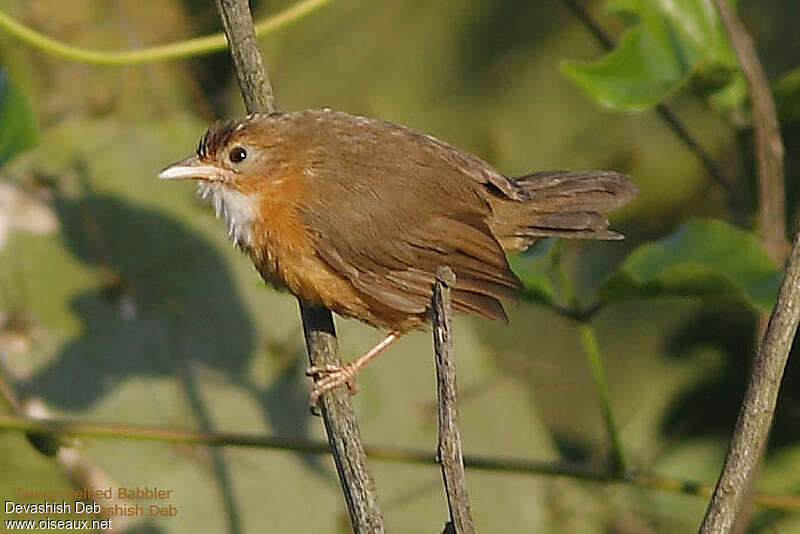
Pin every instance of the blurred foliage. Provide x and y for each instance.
(135, 309)
(536, 271)
(787, 96)
(18, 128)
(669, 45)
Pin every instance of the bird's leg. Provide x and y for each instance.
(327, 377)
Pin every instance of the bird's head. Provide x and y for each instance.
(236, 162)
(230, 153)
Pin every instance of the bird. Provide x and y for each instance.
(356, 214)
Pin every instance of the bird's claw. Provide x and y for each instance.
(327, 377)
(316, 371)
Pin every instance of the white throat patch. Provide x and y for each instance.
(238, 210)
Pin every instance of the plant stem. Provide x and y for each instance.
(519, 466)
(592, 351)
(769, 145)
(179, 50)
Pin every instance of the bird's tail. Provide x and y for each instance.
(563, 204)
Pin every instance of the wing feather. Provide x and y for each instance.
(483, 277)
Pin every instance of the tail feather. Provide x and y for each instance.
(563, 204)
(599, 191)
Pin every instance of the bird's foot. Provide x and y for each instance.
(328, 377)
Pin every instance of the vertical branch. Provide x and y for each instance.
(449, 452)
(758, 406)
(341, 426)
(769, 147)
(320, 335)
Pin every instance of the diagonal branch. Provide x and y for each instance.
(241, 34)
(729, 502)
(758, 406)
(449, 452)
(337, 410)
(769, 147)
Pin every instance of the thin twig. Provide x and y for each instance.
(404, 455)
(449, 451)
(737, 200)
(182, 49)
(758, 407)
(769, 146)
(337, 410)
(591, 348)
(594, 359)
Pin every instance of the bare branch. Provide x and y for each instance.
(769, 147)
(342, 427)
(241, 34)
(449, 452)
(320, 335)
(758, 406)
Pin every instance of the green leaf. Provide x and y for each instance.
(787, 96)
(705, 259)
(627, 10)
(732, 97)
(534, 267)
(670, 44)
(18, 127)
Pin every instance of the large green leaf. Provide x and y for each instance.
(706, 259)
(671, 43)
(18, 128)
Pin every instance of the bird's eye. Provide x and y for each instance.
(238, 154)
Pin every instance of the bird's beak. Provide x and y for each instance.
(191, 168)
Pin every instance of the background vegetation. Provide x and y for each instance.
(122, 301)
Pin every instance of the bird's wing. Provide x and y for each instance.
(396, 263)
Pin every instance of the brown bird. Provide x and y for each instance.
(356, 214)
